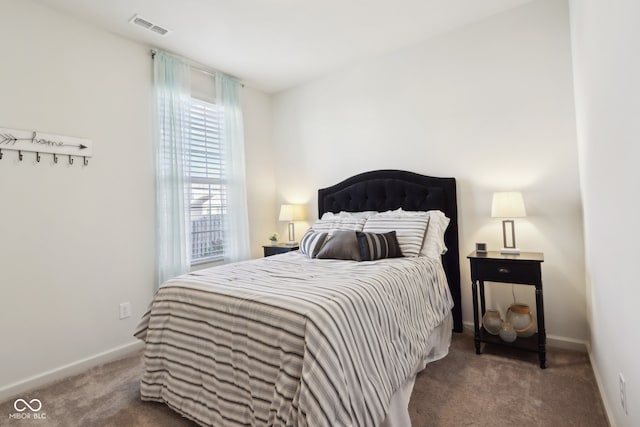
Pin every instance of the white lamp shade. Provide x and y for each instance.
(292, 213)
(509, 204)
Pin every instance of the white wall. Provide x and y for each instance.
(76, 241)
(605, 45)
(260, 167)
(490, 104)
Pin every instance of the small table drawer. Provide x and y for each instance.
(279, 249)
(509, 272)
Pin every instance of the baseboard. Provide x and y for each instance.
(607, 405)
(74, 368)
(567, 343)
(552, 340)
(467, 327)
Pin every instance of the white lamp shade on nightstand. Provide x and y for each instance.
(508, 204)
(292, 213)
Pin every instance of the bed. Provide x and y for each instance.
(297, 341)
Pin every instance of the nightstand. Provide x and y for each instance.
(280, 248)
(523, 269)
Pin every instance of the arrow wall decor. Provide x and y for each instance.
(24, 140)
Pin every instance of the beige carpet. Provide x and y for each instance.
(464, 389)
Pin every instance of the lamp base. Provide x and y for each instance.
(510, 251)
(291, 243)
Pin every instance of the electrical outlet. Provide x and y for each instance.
(125, 310)
(623, 393)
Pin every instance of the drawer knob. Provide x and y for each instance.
(503, 270)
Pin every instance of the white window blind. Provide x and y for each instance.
(208, 201)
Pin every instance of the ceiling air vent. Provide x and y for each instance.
(148, 25)
(159, 30)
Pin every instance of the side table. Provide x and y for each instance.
(524, 269)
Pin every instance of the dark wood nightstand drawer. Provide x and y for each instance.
(280, 248)
(509, 272)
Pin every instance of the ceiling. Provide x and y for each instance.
(277, 44)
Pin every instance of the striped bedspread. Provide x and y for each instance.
(290, 341)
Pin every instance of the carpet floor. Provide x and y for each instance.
(497, 388)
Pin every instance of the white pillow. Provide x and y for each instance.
(331, 222)
(363, 214)
(410, 229)
(329, 215)
(433, 245)
(402, 212)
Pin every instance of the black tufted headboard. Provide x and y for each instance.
(384, 190)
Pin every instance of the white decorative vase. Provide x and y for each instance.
(520, 317)
(507, 333)
(492, 321)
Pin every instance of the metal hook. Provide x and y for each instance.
(55, 158)
(70, 160)
(20, 155)
(37, 157)
(86, 162)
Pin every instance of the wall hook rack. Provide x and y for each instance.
(36, 142)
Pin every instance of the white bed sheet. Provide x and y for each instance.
(438, 344)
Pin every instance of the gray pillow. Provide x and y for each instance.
(341, 245)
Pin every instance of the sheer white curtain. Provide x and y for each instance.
(237, 218)
(172, 97)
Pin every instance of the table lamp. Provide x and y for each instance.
(508, 205)
(291, 213)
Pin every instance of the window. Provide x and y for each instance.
(208, 199)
